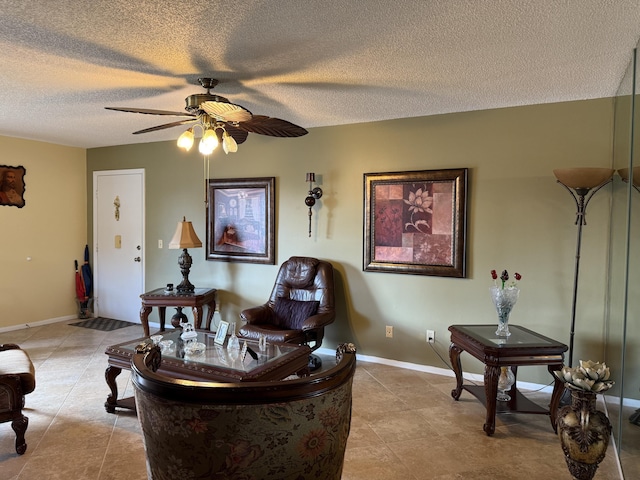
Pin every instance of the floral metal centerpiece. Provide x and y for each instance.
(584, 432)
(589, 377)
(504, 296)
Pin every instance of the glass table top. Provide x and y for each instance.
(519, 337)
(213, 355)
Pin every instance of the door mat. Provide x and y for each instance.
(104, 324)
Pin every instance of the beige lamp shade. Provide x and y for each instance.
(585, 177)
(185, 236)
(624, 174)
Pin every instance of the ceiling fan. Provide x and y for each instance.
(221, 121)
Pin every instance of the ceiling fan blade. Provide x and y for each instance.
(274, 127)
(166, 125)
(238, 135)
(227, 112)
(148, 111)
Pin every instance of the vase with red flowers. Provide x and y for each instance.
(504, 295)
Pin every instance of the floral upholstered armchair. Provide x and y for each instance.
(17, 378)
(280, 430)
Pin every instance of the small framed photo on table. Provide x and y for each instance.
(221, 334)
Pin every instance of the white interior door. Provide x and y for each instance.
(118, 233)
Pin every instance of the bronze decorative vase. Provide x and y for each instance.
(584, 434)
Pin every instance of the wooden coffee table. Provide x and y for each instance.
(217, 364)
(523, 348)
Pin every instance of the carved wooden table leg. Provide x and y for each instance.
(197, 317)
(454, 356)
(491, 375)
(556, 396)
(110, 375)
(162, 313)
(210, 311)
(144, 319)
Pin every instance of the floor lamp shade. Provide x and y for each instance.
(635, 176)
(185, 237)
(584, 177)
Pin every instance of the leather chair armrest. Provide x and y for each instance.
(257, 315)
(317, 321)
(9, 346)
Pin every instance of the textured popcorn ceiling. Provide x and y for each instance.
(312, 62)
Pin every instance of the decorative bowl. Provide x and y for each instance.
(194, 348)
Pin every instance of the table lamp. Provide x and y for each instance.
(185, 237)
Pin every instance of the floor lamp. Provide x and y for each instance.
(582, 184)
(635, 177)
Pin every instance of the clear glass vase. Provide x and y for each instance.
(233, 343)
(504, 300)
(505, 382)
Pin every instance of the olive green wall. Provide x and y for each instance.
(519, 218)
(50, 230)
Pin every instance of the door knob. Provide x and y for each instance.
(137, 259)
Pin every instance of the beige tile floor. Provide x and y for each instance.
(405, 423)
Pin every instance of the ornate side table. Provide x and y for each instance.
(523, 347)
(160, 299)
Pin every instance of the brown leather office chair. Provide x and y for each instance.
(300, 306)
(17, 378)
(272, 430)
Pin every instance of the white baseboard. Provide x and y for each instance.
(49, 321)
(628, 402)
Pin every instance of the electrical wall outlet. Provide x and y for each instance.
(159, 243)
(431, 336)
(389, 331)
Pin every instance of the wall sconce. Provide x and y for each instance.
(635, 179)
(313, 195)
(582, 184)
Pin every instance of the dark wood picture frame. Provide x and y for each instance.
(415, 222)
(12, 186)
(241, 220)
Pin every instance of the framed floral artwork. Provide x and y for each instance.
(415, 222)
(240, 220)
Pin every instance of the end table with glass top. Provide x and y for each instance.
(162, 299)
(523, 347)
(216, 364)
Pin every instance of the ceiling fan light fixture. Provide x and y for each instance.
(228, 143)
(185, 141)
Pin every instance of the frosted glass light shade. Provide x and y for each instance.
(209, 142)
(185, 141)
(228, 143)
(586, 177)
